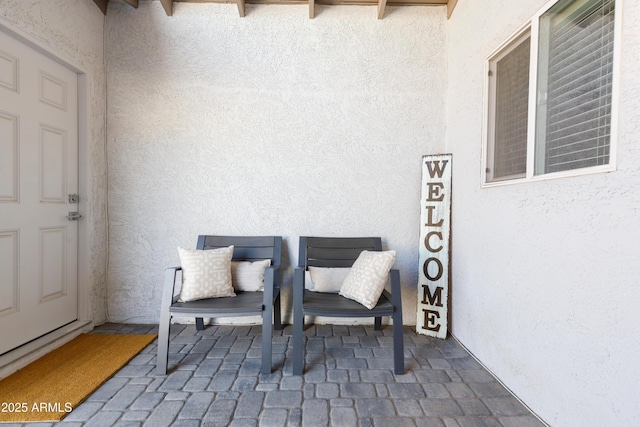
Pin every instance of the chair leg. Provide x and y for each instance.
(199, 324)
(298, 353)
(162, 358)
(398, 344)
(377, 324)
(298, 326)
(277, 314)
(267, 332)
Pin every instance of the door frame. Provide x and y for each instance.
(25, 354)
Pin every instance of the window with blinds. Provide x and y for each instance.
(574, 85)
(573, 58)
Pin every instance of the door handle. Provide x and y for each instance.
(74, 216)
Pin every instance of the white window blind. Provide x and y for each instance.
(573, 118)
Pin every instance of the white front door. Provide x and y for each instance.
(38, 172)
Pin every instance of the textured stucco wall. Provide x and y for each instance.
(268, 124)
(545, 274)
(74, 30)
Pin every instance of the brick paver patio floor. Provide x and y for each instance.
(214, 380)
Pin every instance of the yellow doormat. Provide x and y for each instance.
(54, 385)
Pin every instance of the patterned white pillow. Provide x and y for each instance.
(327, 279)
(206, 274)
(365, 282)
(249, 276)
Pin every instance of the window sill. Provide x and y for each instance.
(551, 176)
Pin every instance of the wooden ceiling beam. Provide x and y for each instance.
(241, 8)
(451, 4)
(393, 3)
(168, 6)
(381, 5)
(102, 5)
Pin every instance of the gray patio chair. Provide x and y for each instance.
(341, 252)
(265, 303)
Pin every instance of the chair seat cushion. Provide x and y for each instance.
(334, 305)
(242, 303)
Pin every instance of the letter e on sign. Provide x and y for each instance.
(435, 234)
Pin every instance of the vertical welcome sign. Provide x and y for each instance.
(435, 232)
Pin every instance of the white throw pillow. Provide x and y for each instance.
(206, 273)
(249, 276)
(365, 282)
(327, 279)
(308, 283)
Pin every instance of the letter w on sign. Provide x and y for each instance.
(435, 233)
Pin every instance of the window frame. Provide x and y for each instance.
(532, 29)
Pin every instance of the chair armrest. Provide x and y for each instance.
(395, 295)
(169, 288)
(271, 284)
(298, 277)
(298, 285)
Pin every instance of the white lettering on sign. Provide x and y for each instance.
(435, 233)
